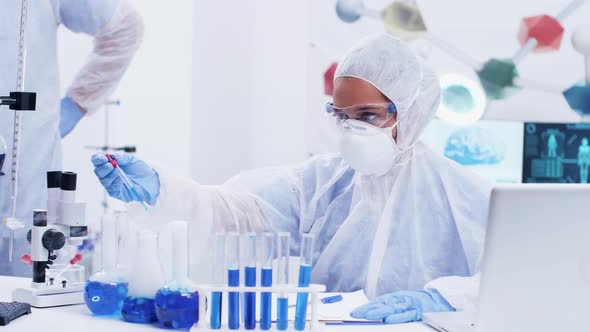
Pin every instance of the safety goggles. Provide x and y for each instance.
(376, 114)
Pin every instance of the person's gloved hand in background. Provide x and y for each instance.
(144, 178)
(403, 306)
(70, 115)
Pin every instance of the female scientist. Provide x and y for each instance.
(388, 214)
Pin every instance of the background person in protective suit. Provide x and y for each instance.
(117, 30)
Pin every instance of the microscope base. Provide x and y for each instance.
(49, 296)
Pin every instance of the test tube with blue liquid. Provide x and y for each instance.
(216, 297)
(266, 280)
(177, 304)
(304, 278)
(250, 276)
(232, 256)
(283, 253)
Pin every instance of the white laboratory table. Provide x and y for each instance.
(78, 318)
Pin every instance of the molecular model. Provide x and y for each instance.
(499, 78)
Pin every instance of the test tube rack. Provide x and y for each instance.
(205, 297)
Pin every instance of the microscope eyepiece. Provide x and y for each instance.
(68, 181)
(53, 179)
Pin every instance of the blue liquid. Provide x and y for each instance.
(282, 313)
(250, 299)
(301, 306)
(105, 299)
(177, 310)
(265, 299)
(2, 156)
(216, 303)
(233, 277)
(139, 310)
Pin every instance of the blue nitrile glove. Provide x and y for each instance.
(144, 178)
(403, 306)
(70, 115)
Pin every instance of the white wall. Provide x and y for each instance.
(155, 95)
(248, 85)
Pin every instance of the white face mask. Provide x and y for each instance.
(369, 150)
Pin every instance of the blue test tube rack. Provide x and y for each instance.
(207, 292)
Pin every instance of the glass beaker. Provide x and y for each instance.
(146, 279)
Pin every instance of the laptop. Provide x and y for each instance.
(536, 266)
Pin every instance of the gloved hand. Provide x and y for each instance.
(144, 178)
(403, 306)
(70, 115)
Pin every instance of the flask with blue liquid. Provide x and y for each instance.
(106, 290)
(177, 304)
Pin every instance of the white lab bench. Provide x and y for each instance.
(78, 319)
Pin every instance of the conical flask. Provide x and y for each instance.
(177, 304)
(106, 290)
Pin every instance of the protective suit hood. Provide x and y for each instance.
(393, 68)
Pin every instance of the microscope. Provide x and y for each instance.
(62, 223)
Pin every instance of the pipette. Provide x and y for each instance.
(126, 182)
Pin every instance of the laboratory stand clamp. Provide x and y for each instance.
(62, 223)
(20, 101)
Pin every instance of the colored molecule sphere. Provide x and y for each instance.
(545, 29)
(497, 78)
(329, 79)
(403, 20)
(458, 98)
(349, 11)
(578, 97)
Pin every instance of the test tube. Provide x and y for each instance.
(304, 277)
(130, 187)
(266, 280)
(283, 254)
(232, 256)
(216, 297)
(250, 276)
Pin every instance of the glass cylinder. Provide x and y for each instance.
(146, 279)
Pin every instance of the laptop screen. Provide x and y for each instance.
(556, 153)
